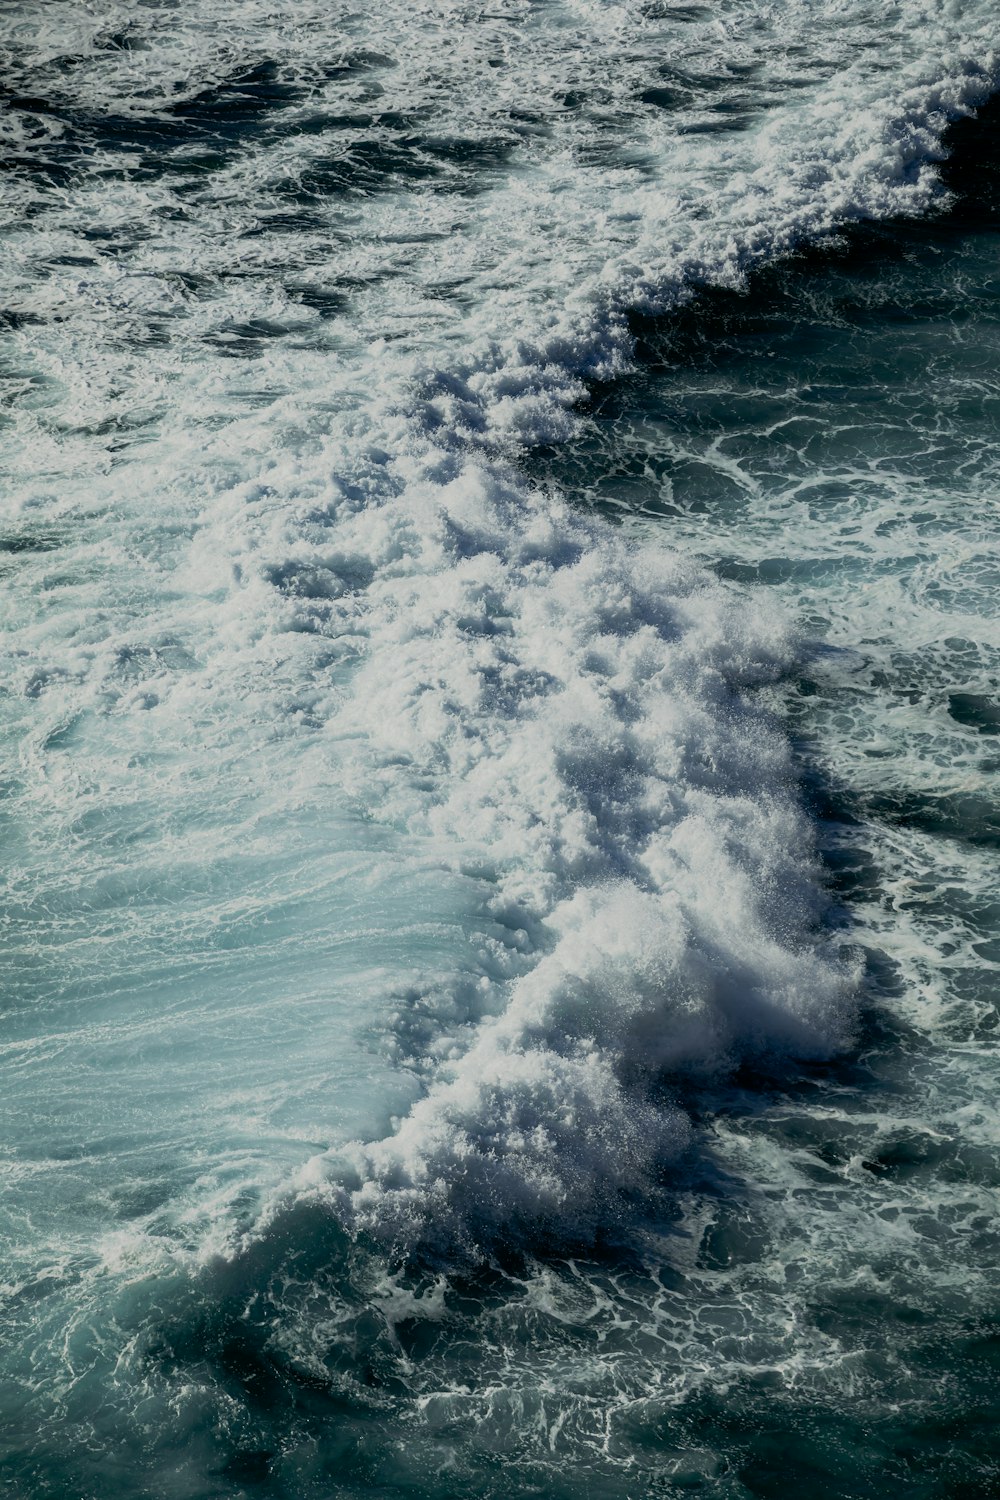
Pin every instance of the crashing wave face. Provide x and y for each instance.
(571, 716)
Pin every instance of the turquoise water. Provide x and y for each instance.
(500, 687)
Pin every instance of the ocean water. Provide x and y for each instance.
(500, 687)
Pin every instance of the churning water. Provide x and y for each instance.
(500, 694)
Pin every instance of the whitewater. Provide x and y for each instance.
(499, 820)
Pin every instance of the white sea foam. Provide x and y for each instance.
(564, 713)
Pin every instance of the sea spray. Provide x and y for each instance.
(570, 715)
